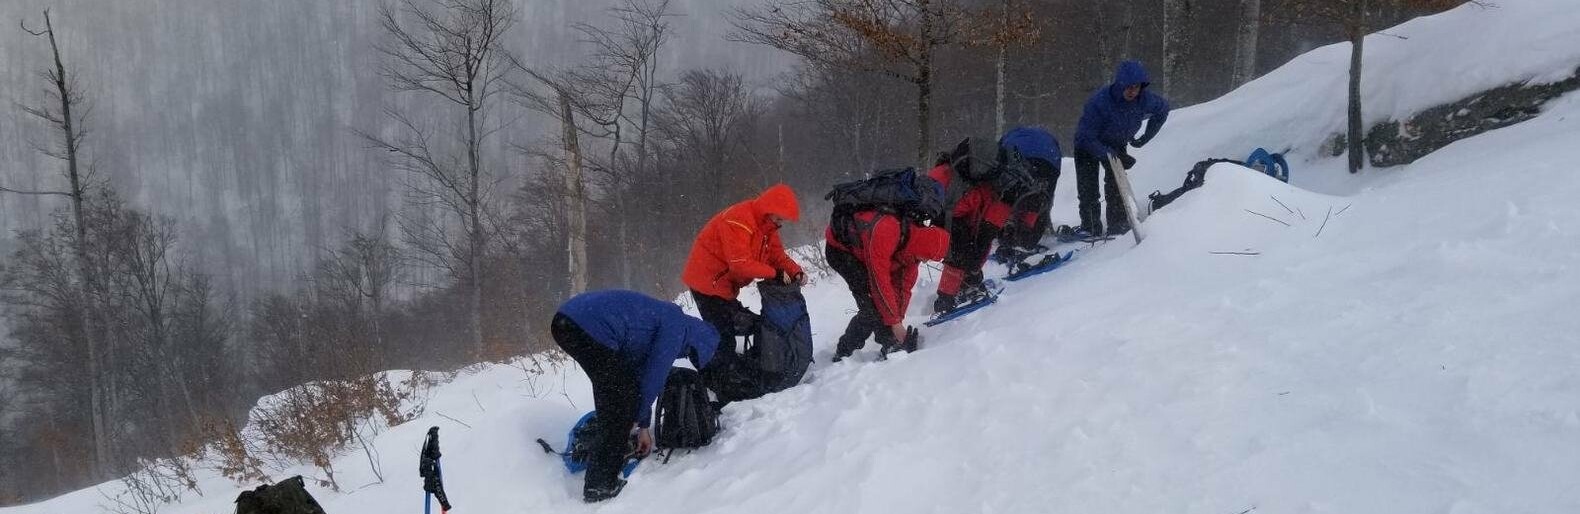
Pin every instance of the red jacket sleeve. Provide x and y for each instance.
(878, 254)
(778, 257)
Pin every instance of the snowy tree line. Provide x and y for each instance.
(479, 185)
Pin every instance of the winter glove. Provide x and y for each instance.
(913, 339)
(1128, 161)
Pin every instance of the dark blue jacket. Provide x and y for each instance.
(647, 333)
(1109, 122)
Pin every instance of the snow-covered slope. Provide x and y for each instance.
(1410, 347)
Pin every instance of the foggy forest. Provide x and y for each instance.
(207, 201)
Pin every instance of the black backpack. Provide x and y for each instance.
(1193, 179)
(685, 416)
(902, 192)
(289, 496)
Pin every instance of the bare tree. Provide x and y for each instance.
(898, 38)
(1015, 28)
(1358, 18)
(65, 112)
(705, 116)
(451, 51)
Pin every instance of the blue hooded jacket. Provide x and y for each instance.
(1109, 122)
(647, 333)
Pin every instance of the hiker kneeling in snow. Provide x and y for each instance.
(626, 342)
(877, 253)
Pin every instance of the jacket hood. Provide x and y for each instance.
(1130, 73)
(779, 200)
(702, 341)
(929, 243)
(1032, 143)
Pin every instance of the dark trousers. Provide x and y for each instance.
(616, 398)
(1031, 216)
(725, 315)
(969, 242)
(1086, 166)
(866, 322)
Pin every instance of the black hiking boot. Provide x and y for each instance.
(843, 350)
(596, 493)
(945, 303)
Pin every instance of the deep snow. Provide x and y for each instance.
(1407, 347)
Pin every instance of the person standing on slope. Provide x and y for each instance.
(877, 253)
(626, 342)
(739, 245)
(1108, 124)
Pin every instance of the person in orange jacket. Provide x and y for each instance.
(739, 245)
(878, 255)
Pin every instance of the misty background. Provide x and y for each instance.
(231, 141)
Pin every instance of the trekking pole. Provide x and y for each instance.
(432, 475)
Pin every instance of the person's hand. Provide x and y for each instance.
(799, 278)
(781, 277)
(644, 441)
(1128, 161)
(899, 331)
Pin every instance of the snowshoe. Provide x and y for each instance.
(1045, 264)
(968, 300)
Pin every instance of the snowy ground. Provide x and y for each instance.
(1414, 351)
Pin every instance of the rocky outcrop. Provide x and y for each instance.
(1402, 142)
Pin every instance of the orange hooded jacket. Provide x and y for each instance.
(741, 244)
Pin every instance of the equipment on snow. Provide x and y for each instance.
(1193, 179)
(686, 418)
(288, 496)
(1133, 215)
(582, 441)
(971, 299)
(1047, 263)
(778, 350)
(1273, 164)
(432, 476)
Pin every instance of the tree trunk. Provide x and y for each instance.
(575, 209)
(1357, 33)
(1130, 29)
(1176, 44)
(1245, 51)
(91, 327)
(998, 86)
(474, 230)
